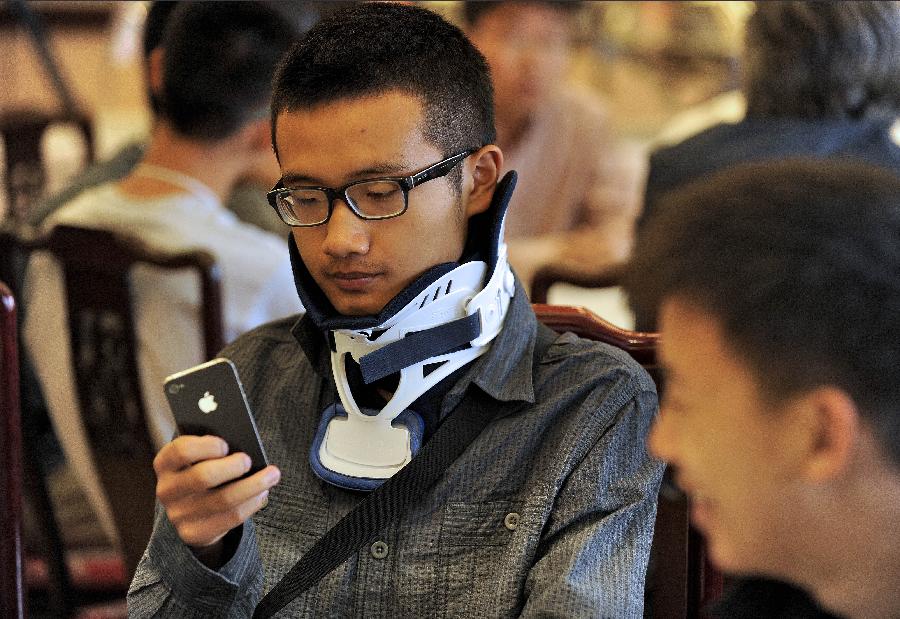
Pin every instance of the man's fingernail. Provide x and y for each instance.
(247, 462)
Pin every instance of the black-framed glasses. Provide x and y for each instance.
(374, 198)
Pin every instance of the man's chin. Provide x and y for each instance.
(357, 307)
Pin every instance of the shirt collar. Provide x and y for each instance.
(505, 372)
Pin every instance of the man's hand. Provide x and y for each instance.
(192, 484)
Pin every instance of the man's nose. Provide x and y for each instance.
(346, 234)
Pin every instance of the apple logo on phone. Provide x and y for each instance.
(207, 403)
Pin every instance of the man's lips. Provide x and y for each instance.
(353, 280)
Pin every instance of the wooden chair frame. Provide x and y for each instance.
(22, 132)
(12, 597)
(554, 274)
(96, 265)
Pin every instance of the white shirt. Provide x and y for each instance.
(257, 286)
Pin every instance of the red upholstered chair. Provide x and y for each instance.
(680, 579)
(11, 585)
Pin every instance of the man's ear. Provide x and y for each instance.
(833, 432)
(155, 72)
(480, 180)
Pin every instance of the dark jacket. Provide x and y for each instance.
(759, 139)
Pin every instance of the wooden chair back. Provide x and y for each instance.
(12, 596)
(554, 274)
(680, 579)
(22, 132)
(96, 267)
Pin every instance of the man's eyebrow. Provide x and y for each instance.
(381, 169)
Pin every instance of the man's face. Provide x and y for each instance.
(361, 265)
(729, 448)
(527, 48)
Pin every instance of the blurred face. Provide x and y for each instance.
(730, 451)
(361, 265)
(527, 48)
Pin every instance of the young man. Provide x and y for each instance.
(576, 202)
(213, 81)
(777, 288)
(383, 126)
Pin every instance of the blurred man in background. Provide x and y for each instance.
(778, 291)
(247, 198)
(821, 79)
(211, 75)
(577, 200)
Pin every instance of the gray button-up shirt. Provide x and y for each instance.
(549, 512)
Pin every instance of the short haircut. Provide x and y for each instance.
(218, 65)
(374, 48)
(473, 11)
(800, 262)
(823, 60)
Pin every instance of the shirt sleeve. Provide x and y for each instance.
(171, 582)
(592, 560)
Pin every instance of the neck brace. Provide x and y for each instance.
(442, 321)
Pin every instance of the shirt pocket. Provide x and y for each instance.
(478, 577)
(287, 527)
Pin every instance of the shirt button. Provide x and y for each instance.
(511, 521)
(379, 550)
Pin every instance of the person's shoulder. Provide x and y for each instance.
(99, 172)
(700, 142)
(265, 337)
(89, 206)
(578, 360)
(243, 237)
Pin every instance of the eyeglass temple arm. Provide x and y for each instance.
(438, 169)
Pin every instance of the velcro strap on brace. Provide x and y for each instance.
(419, 346)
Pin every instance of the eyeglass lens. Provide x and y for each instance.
(374, 199)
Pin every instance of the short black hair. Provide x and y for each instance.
(157, 17)
(823, 59)
(374, 48)
(473, 11)
(800, 262)
(218, 65)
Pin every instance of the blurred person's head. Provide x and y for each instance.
(777, 288)
(527, 47)
(215, 66)
(155, 24)
(384, 90)
(823, 59)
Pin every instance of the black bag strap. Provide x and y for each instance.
(386, 503)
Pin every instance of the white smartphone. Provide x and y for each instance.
(209, 399)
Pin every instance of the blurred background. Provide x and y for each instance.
(649, 61)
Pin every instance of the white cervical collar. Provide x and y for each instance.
(367, 445)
